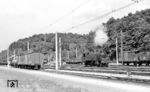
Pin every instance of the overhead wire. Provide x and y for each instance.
(104, 15)
(67, 14)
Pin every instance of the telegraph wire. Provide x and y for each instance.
(94, 19)
(104, 15)
(67, 14)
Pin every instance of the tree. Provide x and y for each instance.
(136, 32)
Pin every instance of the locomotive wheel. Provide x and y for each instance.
(140, 64)
(127, 64)
(36, 67)
(135, 64)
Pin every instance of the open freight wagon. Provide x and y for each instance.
(133, 58)
(29, 61)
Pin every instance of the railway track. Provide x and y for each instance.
(119, 73)
(108, 76)
(142, 71)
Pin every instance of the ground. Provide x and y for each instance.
(37, 81)
(32, 83)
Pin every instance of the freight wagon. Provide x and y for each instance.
(3, 62)
(28, 61)
(135, 58)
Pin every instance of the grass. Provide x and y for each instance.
(32, 83)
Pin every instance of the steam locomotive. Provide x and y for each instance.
(94, 59)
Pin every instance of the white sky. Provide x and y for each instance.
(24, 18)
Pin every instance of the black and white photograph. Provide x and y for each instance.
(74, 46)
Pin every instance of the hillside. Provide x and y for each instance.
(135, 29)
(44, 43)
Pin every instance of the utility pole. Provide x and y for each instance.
(56, 51)
(48, 56)
(8, 62)
(14, 53)
(1, 58)
(68, 55)
(28, 47)
(121, 47)
(19, 58)
(60, 51)
(26, 58)
(28, 51)
(76, 52)
(14, 56)
(45, 42)
(45, 38)
(117, 50)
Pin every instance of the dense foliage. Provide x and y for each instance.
(136, 32)
(135, 29)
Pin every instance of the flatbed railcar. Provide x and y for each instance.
(136, 59)
(28, 61)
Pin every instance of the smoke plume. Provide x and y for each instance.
(100, 36)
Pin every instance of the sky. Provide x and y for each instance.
(24, 18)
